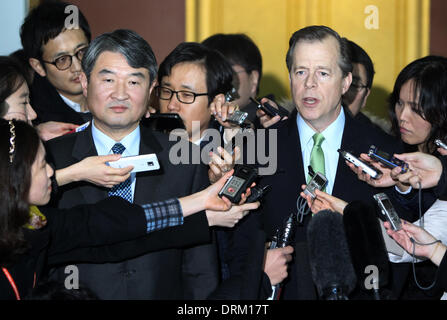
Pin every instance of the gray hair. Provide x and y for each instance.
(319, 33)
(132, 46)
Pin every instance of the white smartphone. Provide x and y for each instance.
(144, 162)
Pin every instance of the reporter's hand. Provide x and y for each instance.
(424, 168)
(442, 151)
(52, 129)
(385, 180)
(408, 231)
(324, 201)
(94, 170)
(265, 120)
(275, 265)
(222, 109)
(230, 217)
(149, 111)
(222, 163)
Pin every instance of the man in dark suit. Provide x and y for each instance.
(119, 70)
(54, 52)
(319, 73)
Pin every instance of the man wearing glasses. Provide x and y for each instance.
(55, 52)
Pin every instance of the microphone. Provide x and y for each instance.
(329, 257)
(283, 238)
(367, 248)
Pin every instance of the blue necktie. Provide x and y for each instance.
(123, 189)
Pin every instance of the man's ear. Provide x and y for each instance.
(84, 83)
(37, 66)
(368, 91)
(346, 83)
(153, 85)
(254, 81)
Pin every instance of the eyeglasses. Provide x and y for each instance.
(358, 86)
(64, 62)
(183, 96)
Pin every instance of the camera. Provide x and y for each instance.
(386, 159)
(387, 209)
(241, 179)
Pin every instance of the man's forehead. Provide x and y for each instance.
(65, 41)
(116, 62)
(327, 46)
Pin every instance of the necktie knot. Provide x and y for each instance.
(318, 139)
(118, 148)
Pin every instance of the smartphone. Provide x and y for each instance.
(318, 181)
(237, 117)
(269, 110)
(387, 209)
(241, 179)
(441, 144)
(166, 122)
(386, 159)
(144, 162)
(366, 168)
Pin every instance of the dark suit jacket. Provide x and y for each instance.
(168, 274)
(49, 105)
(93, 233)
(286, 183)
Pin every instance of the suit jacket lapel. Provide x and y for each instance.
(84, 147)
(144, 186)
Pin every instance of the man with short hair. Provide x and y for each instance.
(320, 73)
(54, 51)
(119, 72)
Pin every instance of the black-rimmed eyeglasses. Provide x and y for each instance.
(64, 62)
(358, 86)
(183, 96)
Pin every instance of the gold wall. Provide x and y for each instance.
(393, 32)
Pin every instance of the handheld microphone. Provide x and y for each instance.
(367, 247)
(329, 257)
(282, 239)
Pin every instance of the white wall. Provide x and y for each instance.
(12, 13)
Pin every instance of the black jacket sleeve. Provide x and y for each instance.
(195, 230)
(106, 222)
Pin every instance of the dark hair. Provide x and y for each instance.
(132, 46)
(430, 82)
(319, 33)
(46, 22)
(237, 49)
(15, 186)
(219, 74)
(358, 55)
(12, 76)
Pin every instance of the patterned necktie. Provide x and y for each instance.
(123, 189)
(317, 154)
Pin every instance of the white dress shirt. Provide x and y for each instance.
(332, 142)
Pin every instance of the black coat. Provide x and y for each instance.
(94, 233)
(286, 183)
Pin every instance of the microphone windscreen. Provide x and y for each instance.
(329, 256)
(365, 241)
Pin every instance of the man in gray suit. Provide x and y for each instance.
(119, 71)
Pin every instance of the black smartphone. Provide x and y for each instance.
(269, 110)
(166, 122)
(386, 159)
(241, 179)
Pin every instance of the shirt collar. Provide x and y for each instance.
(332, 134)
(75, 106)
(104, 143)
